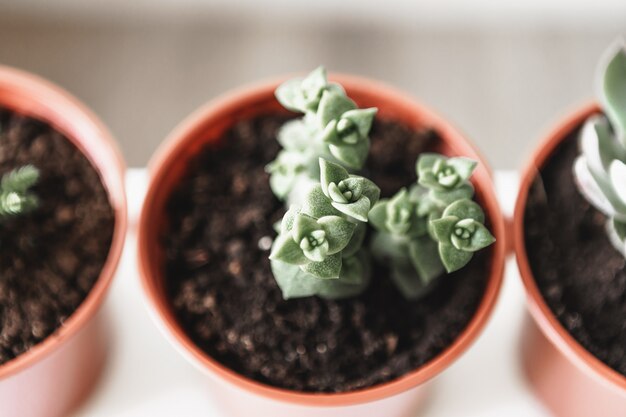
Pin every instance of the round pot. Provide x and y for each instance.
(241, 396)
(54, 376)
(567, 378)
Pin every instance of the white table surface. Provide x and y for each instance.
(146, 376)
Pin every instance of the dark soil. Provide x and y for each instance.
(51, 257)
(224, 295)
(578, 271)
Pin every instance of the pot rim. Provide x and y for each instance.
(539, 309)
(34, 96)
(179, 139)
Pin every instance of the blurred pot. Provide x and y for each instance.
(241, 396)
(54, 376)
(566, 377)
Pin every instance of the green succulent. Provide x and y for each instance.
(402, 239)
(600, 169)
(432, 227)
(304, 94)
(350, 194)
(285, 171)
(447, 179)
(459, 233)
(15, 195)
(345, 129)
(318, 250)
(332, 128)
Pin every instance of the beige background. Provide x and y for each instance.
(502, 81)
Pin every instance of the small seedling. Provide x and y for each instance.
(16, 198)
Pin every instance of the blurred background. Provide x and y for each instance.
(502, 71)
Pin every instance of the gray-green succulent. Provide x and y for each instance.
(318, 248)
(422, 231)
(431, 227)
(16, 196)
(600, 169)
(332, 128)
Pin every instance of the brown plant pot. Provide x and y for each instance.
(243, 396)
(54, 376)
(567, 378)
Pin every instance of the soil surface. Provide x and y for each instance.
(578, 271)
(50, 257)
(224, 295)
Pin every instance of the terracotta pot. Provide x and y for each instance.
(55, 375)
(567, 378)
(242, 396)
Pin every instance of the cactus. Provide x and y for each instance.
(319, 250)
(600, 169)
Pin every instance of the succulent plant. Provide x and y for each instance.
(459, 233)
(15, 195)
(422, 231)
(600, 169)
(332, 128)
(318, 248)
(304, 94)
(431, 227)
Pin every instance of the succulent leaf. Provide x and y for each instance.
(296, 283)
(286, 224)
(356, 241)
(332, 106)
(329, 268)
(407, 281)
(617, 175)
(357, 210)
(613, 92)
(439, 173)
(452, 258)
(590, 189)
(445, 197)
(362, 119)
(353, 269)
(303, 226)
(338, 231)
(304, 94)
(470, 236)
(284, 171)
(317, 205)
(295, 135)
(350, 194)
(353, 156)
(331, 173)
(285, 249)
(617, 235)
(400, 212)
(378, 216)
(598, 144)
(465, 209)
(442, 229)
(424, 256)
(620, 230)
